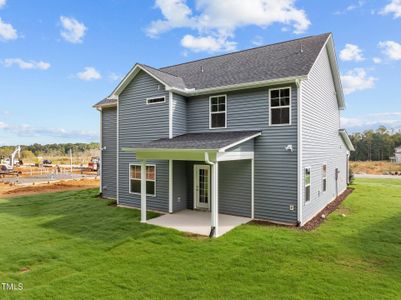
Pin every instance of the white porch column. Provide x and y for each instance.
(143, 191)
(215, 198)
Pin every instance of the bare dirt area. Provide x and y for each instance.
(375, 168)
(7, 190)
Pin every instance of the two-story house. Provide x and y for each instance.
(254, 133)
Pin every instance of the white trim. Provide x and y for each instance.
(170, 115)
(118, 152)
(252, 188)
(170, 185)
(215, 198)
(324, 176)
(130, 76)
(307, 185)
(143, 190)
(219, 112)
(107, 105)
(227, 156)
(101, 152)
(334, 69)
(240, 142)
(299, 152)
(344, 135)
(281, 106)
(129, 178)
(154, 103)
(198, 167)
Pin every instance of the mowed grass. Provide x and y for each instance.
(72, 245)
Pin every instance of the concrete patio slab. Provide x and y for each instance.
(197, 222)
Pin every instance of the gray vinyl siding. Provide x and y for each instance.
(179, 185)
(140, 123)
(235, 188)
(275, 168)
(109, 154)
(321, 142)
(179, 115)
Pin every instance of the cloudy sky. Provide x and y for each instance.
(58, 58)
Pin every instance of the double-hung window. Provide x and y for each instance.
(307, 178)
(324, 177)
(280, 106)
(135, 179)
(218, 111)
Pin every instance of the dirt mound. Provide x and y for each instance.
(12, 191)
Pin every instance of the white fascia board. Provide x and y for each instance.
(240, 142)
(235, 87)
(346, 139)
(229, 156)
(130, 76)
(107, 105)
(329, 47)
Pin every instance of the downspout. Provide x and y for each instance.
(299, 152)
(212, 228)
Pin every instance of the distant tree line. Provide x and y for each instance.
(50, 149)
(374, 145)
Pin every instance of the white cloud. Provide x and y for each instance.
(26, 65)
(357, 80)
(26, 130)
(394, 8)
(114, 77)
(351, 53)
(89, 73)
(2, 3)
(7, 31)
(351, 7)
(73, 30)
(217, 21)
(207, 44)
(377, 60)
(391, 120)
(391, 49)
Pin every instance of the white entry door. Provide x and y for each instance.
(201, 186)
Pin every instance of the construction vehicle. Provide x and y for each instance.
(93, 165)
(7, 165)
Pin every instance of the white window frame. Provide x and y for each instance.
(324, 177)
(281, 106)
(220, 112)
(158, 97)
(129, 179)
(306, 185)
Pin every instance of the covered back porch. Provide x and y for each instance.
(211, 180)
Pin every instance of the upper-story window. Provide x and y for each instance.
(280, 106)
(155, 100)
(218, 112)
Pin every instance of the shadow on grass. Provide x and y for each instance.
(379, 244)
(79, 213)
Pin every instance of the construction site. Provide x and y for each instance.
(22, 178)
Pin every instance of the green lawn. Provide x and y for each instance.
(73, 245)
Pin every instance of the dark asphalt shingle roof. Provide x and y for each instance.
(281, 60)
(204, 140)
(106, 101)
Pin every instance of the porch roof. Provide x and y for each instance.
(217, 141)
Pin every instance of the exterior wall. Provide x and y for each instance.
(244, 147)
(179, 185)
(275, 168)
(321, 142)
(235, 188)
(140, 123)
(179, 115)
(109, 154)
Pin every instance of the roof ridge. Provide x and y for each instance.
(161, 71)
(244, 50)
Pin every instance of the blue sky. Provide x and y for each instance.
(58, 58)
